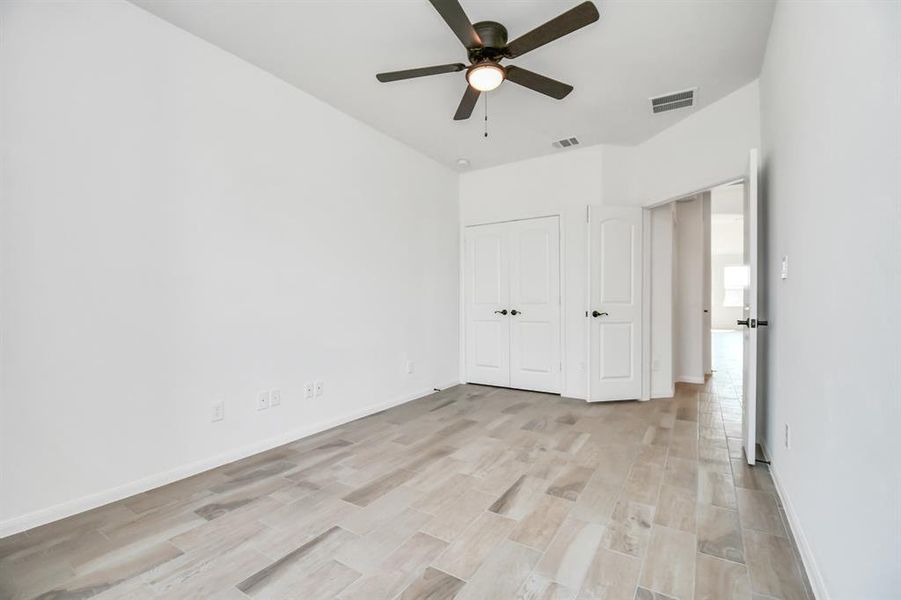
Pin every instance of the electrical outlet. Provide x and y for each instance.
(308, 390)
(275, 397)
(788, 439)
(318, 388)
(410, 366)
(218, 410)
(262, 400)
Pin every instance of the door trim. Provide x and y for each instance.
(561, 313)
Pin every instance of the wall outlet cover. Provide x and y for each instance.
(308, 390)
(262, 400)
(318, 387)
(275, 397)
(218, 410)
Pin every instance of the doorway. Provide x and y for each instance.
(728, 279)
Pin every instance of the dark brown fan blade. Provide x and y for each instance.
(539, 83)
(420, 72)
(573, 19)
(453, 14)
(470, 97)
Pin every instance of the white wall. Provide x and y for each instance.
(688, 291)
(662, 301)
(179, 226)
(704, 150)
(831, 110)
(561, 184)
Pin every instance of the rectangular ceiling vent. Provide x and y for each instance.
(566, 143)
(673, 101)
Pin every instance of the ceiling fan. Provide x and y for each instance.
(486, 44)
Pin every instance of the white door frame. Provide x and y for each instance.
(562, 313)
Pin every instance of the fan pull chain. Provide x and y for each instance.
(486, 114)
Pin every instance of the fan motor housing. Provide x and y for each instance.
(494, 40)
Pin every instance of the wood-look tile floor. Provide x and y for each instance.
(472, 492)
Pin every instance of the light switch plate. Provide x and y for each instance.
(218, 410)
(262, 400)
(308, 390)
(318, 387)
(275, 397)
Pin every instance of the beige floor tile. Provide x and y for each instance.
(629, 528)
(570, 483)
(718, 579)
(502, 574)
(538, 587)
(612, 576)
(772, 566)
(569, 554)
(268, 524)
(676, 508)
(759, 511)
(669, 566)
(466, 553)
(538, 527)
(715, 487)
(433, 584)
(719, 533)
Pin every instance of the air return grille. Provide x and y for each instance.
(673, 101)
(566, 143)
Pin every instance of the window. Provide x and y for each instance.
(735, 279)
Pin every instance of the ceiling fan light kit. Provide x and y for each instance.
(485, 76)
(486, 45)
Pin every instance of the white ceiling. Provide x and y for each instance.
(332, 49)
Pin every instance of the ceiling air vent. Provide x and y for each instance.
(566, 143)
(673, 101)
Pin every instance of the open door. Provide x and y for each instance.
(615, 309)
(749, 315)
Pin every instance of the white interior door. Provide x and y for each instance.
(487, 293)
(615, 265)
(750, 316)
(535, 304)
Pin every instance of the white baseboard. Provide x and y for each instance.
(809, 564)
(689, 379)
(84, 503)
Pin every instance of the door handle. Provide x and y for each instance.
(762, 323)
(597, 314)
(745, 322)
(501, 312)
(515, 312)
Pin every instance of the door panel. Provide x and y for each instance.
(535, 295)
(615, 334)
(615, 261)
(487, 289)
(749, 346)
(616, 345)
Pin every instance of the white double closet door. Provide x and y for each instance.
(512, 304)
